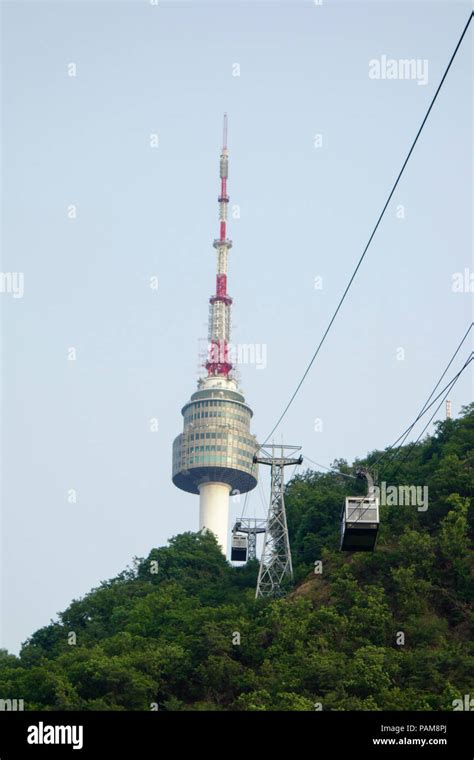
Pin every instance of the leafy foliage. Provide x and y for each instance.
(389, 630)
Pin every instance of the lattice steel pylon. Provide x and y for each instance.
(275, 562)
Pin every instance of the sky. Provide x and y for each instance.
(111, 129)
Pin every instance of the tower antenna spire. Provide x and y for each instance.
(218, 362)
(224, 134)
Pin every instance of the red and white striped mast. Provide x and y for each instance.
(218, 362)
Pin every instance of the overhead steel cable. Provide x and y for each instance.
(329, 469)
(447, 388)
(389, 198)
(342, 299)
(404, 436)
(412, 446)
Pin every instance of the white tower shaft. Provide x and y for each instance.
(214, 511)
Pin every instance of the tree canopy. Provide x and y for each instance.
(181, 629)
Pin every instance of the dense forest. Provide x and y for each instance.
(181, 629)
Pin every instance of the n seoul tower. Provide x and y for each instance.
(213, 456)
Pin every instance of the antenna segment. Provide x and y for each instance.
(218, 362)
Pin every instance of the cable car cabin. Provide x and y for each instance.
(238, 550)
(359, 523)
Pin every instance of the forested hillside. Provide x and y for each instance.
(181, 630)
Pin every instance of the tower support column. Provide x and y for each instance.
(214, 510)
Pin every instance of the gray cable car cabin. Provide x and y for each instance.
(238, 549)
(359, 523)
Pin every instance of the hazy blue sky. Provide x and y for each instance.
(306, 211)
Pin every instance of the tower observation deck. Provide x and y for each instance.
(213, 456)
